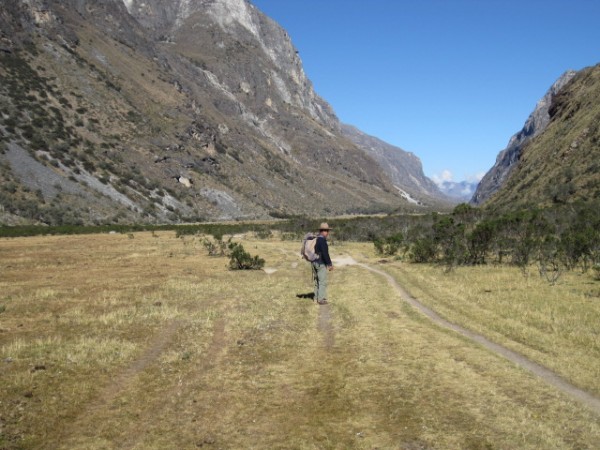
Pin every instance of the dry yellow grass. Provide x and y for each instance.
(147, 343)
(556, 326)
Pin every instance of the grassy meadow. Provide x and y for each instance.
(141, 341)
(556, 326)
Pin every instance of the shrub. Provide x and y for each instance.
(480, 241)
(449, 237)
(242, 260)
(596, 269)
(216, 247)
(264, 233)
(423, 250)
(89, 166)
(549, 259)
(388, 246)
(211, 247)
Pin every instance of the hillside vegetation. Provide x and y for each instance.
(562, 164)
(508, 159)
(110, 115)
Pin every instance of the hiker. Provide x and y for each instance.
(322, 264)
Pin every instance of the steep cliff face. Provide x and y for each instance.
(402, 167)
(220, 31)
(561, 164)
(167, 111)
(505, 162)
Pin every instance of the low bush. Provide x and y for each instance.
(216, 247)
(422, 251)
(596, 270)
(264, 233)
(242, 260)
(388, 246)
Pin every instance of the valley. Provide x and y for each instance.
(142, 142)
(156, 345)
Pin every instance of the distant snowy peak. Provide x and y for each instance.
(458, 190)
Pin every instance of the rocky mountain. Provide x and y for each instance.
(560, 164)
(163, 111)
(402, 167)
(536, 123)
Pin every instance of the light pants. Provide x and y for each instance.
(320, 277)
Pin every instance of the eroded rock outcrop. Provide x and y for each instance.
(505, 162)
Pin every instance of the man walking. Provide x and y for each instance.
(322, 264)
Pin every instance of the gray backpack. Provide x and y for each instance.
(308, 247)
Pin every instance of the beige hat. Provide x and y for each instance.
(324, 227)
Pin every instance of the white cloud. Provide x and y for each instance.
(468, 190)
(440, 179)
(446, 177)
(475, 178)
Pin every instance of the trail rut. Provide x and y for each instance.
(185, 387)
(325, 327)
(122, 381)
(587, 399)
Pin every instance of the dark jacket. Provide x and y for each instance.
(322, 249)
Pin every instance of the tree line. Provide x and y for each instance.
(553, 239)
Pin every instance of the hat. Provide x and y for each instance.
(324, 227)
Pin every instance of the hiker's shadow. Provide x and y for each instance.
(310, 296)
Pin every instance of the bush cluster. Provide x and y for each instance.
(388, 246)
(239, 259)
(555, 239)
(564, 237)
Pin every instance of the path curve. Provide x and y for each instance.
(589, 400)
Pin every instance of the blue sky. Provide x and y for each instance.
(449, 80)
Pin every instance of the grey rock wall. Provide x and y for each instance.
(507, 159)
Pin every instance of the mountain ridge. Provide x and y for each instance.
(535, 124)
(559, 166)
(177, 107)
(403, 168)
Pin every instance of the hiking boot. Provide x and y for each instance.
(322, 302)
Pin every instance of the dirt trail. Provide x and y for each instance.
(544, 373)
(136, 431)
(121, 382)
(325, 327)
(324, 324)
(216, 347)
(124, 379)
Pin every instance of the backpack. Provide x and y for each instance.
(308, 247)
